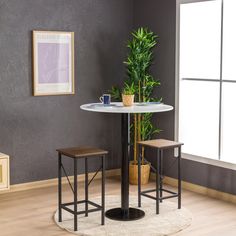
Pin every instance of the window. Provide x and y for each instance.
(207, 79)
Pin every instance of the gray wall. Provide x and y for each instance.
(160, 17)
(32, 128)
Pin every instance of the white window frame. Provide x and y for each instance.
(205, 160)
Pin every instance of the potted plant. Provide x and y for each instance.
(138, 63)
(128, 94)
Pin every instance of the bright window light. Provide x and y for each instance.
(199, 118)
(200, 41)
(228, 150)
(229, 40)
(200, 38)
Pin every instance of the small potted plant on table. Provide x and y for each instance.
(128, 95)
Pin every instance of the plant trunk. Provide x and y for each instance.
(143, 155)
(135, 138)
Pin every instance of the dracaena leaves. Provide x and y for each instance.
(138, 62)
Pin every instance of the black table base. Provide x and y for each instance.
(119, 214)
(125, 213)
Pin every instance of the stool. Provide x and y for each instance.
(159, 145)
(80, 153)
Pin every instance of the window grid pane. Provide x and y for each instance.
(200, 38)
(228, 120)
(229, 39)
(199, 118)
(203, 91)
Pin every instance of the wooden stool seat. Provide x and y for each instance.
(81, 152)
(160, 143)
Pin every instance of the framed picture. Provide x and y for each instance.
(53, 63)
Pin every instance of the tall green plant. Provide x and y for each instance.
(138, 63)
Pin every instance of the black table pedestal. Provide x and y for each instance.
(125, 213)
(118, 214)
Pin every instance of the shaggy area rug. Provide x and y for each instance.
(169, 221)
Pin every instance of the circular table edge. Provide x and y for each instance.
(120, 109)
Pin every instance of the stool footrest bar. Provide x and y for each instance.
(160, 198)
(149, 191)
(93, 204)
(90, 210)
(72, 203)
(97, 207)
(168, 191)
(67, 209)
(171, 196)
(81, 212)
(147, 195)
(160, 189)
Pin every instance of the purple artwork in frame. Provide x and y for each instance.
(53, 54)
(53, 63)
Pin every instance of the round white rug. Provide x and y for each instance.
(169, 221)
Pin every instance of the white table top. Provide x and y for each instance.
(117, 107)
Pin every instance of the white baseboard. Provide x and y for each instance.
(53, 182)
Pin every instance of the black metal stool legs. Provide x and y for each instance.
(179, 177)
(160, 146)
(103, 192)
(161, 173)
(75, 195)
(86, 186)
(139, 177)
(72, 207)
(157, 181)
(59, 188)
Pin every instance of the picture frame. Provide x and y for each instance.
(53, 63)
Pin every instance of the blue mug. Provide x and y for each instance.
(105, 99)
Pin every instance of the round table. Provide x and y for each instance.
(126, 213)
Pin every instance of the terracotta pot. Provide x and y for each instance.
(133, 173)
(128, 100)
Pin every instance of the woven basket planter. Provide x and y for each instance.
(133, 173)
(128, 100)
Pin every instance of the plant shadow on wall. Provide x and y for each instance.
(140, 83)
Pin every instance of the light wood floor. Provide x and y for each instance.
(29, 213)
